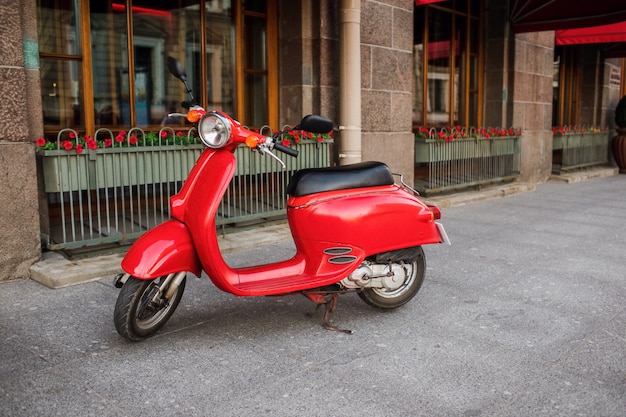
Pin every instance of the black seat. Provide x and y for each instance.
(317, 180)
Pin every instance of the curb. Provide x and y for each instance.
(56, 271)
(587, 174)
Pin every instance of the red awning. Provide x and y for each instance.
(615, 32)
(423, 2)
(540, 15)
(613, 38)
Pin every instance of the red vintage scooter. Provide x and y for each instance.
(354, 230)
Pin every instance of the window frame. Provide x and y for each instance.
(470, 19)
(85, 58)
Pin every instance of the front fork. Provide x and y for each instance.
(166, 289)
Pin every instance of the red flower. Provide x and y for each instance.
(133, 140)
(119, 138)
(108, 143)
(320, 139)
(179, 133)
(67, 145)
(163, 134)
(92, 144)
(286, 142)
(79, 148)
(41, 142)
(72, 135)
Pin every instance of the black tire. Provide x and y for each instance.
(389, 299)
(135, 316)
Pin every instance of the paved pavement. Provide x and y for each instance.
(524, 315)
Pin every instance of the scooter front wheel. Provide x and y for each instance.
(142, 307)
(413, 275)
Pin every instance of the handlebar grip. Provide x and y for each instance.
(286, 149)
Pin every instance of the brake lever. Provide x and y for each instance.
(263, 149)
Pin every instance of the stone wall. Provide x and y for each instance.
(387, 84)
(20, 125)
(532, 102)
(518, 88)
(308, 53)
(309, 73)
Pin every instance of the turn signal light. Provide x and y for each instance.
(194, 115)
(253, 141)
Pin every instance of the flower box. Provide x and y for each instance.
(579, 149)
(433, 150)
(115, 167)
(455, 164)
(138, 165)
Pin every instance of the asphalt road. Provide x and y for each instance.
(524, 315)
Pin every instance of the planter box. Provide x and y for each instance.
(115, 167)
(579, 150)
(464, 163)
(432, 150)
(138, 165)
(579, 140)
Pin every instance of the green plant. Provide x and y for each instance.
(620, 113)
(70, 140)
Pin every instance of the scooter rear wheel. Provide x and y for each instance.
(388, 299)
(141, 309)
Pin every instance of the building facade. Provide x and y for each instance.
(380, 69)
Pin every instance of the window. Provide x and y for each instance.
(447, 64)
(60, 64)
(566, 86)
(104, 62)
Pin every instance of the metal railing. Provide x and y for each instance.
(464, 163)
(113, 195)
(579, 150)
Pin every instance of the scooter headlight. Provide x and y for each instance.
(214, 130)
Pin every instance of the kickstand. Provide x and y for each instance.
(330, 302)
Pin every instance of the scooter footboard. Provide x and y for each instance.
(164, 250)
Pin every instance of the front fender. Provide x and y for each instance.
(164, 250)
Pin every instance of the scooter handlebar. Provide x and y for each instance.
(286, 149)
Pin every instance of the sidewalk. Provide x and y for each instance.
(524, 315)
(55, 271)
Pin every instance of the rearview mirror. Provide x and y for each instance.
(315, 124)
(176, 69)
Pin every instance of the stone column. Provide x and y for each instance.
(532, 102)
(20, 125)
(518, 88)
(387, 84)
(308, 44)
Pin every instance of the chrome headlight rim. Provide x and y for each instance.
(214, 130)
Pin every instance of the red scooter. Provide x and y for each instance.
(354, 230)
